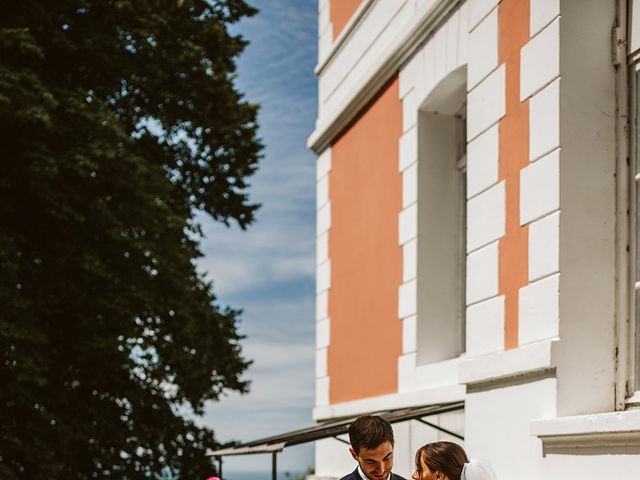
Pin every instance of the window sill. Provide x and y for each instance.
(507, 365)
(611, 432)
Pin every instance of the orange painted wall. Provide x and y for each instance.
(514, 156)
(365, 190)
(341, 12)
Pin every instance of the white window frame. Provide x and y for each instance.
(628, 182)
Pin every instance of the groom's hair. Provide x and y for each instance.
(369, 431)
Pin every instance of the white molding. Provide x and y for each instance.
(424, 22)
(600, 430)
(506, 364)
(362, 10)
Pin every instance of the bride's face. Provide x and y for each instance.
(423, 473)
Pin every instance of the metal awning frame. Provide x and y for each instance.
(277, 443)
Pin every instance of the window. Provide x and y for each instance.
(441, 249)
(634, 233)
(631, 364)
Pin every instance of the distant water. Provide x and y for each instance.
(261, 475)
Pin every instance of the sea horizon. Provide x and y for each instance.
(262, 474)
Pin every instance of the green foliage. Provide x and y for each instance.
(119, 122)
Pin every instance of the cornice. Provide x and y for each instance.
(426, 22)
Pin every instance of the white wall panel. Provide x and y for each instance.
(323, 163)
(322, 248)
(323, 218)
(544, 246)
(321, 362)
(407, 295)
(540, 60)
(409, 334)
(408, 148)
(410, 185)
(540, 188)
(542, 14)
(482, 274)
(322, 305)
(544, 121)
(322, 191)
(322, 391)
(478, 9)
(483, 41)
(485, 327)
(482, 162)
(486, 217)
(323, 333)
(539, 310)
(486, 103)
(409, 260)
(323, 276)
(408, 224)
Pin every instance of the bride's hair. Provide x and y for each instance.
(450, 458)
(446, 457)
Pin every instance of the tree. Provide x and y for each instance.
(119, 122)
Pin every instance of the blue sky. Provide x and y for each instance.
(269, 270)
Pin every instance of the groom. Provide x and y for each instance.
(371, 439)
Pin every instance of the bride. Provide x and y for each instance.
(448, 461)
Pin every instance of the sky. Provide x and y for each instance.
(269, 269)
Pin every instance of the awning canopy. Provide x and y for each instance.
(334, 428)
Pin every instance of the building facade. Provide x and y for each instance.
(476, 229)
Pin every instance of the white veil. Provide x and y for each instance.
(477, 469)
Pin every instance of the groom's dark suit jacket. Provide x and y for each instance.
(356, 476)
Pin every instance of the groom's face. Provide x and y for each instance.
(377, 462)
